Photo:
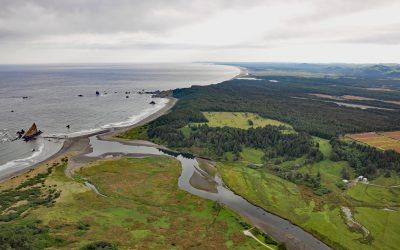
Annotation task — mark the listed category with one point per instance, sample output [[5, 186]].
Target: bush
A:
[[321, 191], [83, 225], [24, 236], [281, 246], [341, 185], [100, 245]]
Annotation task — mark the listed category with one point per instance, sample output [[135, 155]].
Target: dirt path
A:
[[250, 234], [93, 187], [352, 223]]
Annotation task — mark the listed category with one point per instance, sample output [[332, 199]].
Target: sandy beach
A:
[[80, 145]]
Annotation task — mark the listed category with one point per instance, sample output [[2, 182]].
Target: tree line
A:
[[366, 160], [289, 101]]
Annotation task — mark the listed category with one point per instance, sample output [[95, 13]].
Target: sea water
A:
[[49, 95]]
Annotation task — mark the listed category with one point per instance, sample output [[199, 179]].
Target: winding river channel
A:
[[284, 231]]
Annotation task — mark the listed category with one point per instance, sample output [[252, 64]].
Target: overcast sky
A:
[[74, 31]]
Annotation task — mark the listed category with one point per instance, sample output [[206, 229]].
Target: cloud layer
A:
[[41, 31]]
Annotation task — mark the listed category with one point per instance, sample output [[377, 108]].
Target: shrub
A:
[[100, 245]]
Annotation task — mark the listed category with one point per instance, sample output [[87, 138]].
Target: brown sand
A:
[[75, 148]]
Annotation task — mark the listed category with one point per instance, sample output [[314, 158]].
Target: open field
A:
[[394, 135], [144, 209], [375, 195], [252, 155], [322, 215], [384, 140], [240, 120], [290, 201]]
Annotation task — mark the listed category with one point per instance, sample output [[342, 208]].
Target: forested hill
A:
[[288, 99]]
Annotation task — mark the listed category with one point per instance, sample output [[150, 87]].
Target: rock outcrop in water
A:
[[32, 133]]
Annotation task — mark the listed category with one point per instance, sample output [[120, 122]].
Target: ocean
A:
[[54, 96]]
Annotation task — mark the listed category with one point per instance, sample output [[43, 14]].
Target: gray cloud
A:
[[27, 20], [385, 36], [33, 27], [33, 18]]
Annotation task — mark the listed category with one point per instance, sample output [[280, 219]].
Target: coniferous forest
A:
[[289, 102]]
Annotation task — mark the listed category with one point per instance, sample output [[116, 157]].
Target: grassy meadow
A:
[[240, 120], [383, 141], [374, 206], [142, 208], [321, 215]]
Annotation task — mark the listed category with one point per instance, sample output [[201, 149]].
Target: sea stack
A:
[[31, 133]]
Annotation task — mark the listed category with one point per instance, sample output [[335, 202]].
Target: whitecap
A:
[[130, 121], [24, 162]]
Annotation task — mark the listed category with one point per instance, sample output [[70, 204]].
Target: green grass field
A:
[[144, 208], [384, 226], [321, 215], [290, 201], [240, 120], [375, 196], [374, 207], [252, 155]]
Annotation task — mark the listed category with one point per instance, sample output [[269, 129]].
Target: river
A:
[[282, 230]]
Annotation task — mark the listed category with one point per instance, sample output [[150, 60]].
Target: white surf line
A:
[[24, 162], [249, 234], [93, 187]]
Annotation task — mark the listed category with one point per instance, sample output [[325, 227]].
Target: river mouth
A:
[[213, 189]]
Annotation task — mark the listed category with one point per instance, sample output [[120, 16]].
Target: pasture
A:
[[145, 209], [374, 206], [380, 140], [240, 120]]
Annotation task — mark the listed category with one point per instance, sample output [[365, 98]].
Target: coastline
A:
[[80, 144], [77, 147], [243, 72]]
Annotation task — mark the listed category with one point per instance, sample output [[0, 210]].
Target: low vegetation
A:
[[243, 120], [320, 213], [289, 170], [294, 175], [306, 187], [383, 141], [145, 209], [29, 194], [137, 133]]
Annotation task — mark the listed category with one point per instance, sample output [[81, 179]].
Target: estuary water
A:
[[283, 230], [54, 96]]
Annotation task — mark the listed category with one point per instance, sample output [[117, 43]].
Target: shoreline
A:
[[243, 72], [76, 143], [80, 144]]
